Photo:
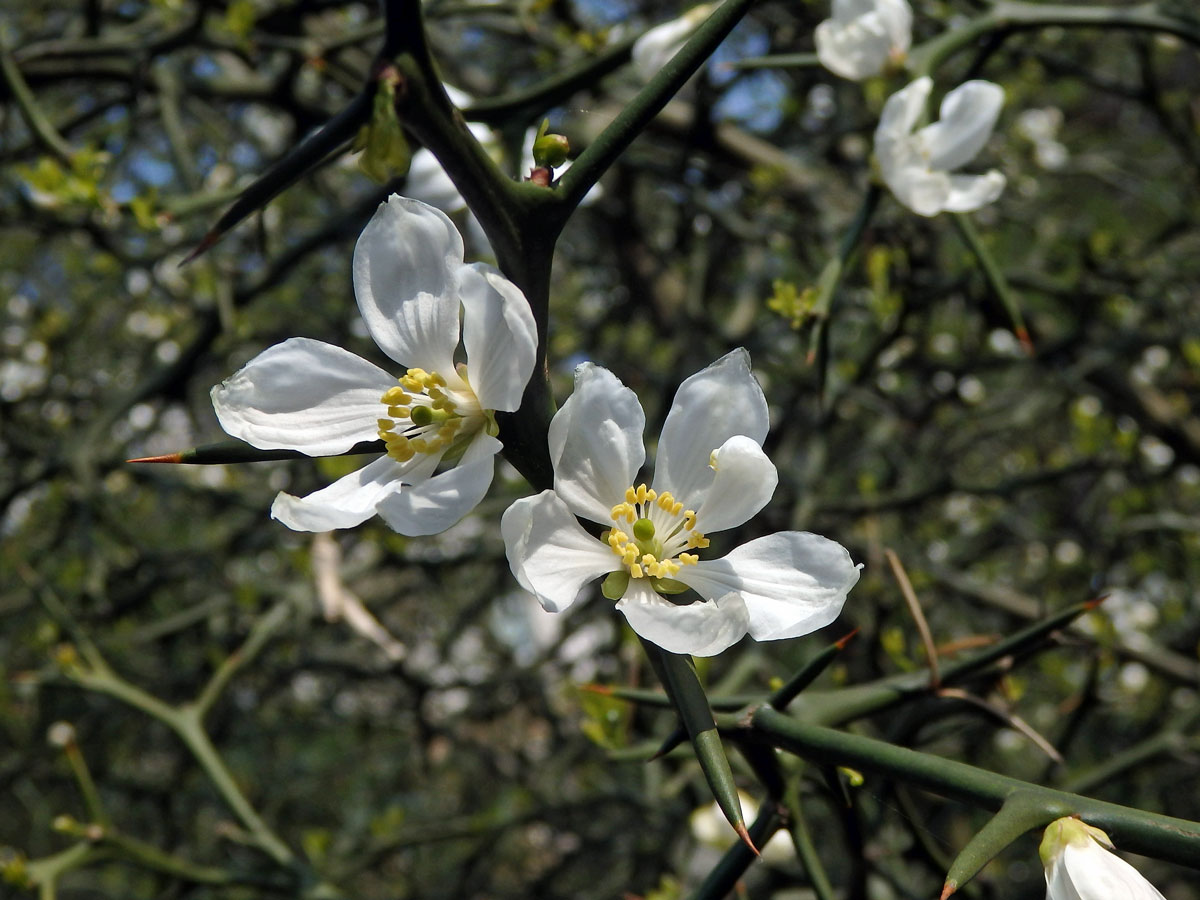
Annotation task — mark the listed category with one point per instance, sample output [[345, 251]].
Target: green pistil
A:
[[643, 531]]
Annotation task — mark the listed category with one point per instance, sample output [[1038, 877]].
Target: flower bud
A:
[[549, 150], [1079, 865]]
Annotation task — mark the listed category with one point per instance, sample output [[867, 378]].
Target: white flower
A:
[[1079, 866], [654, 49], [711, 474], [864, 36], [306, 395], [916, 167]]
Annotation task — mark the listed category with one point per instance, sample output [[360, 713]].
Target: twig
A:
[[31, 112], [914, 607]]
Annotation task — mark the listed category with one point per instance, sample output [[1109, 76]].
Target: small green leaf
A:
[[386, 153], [605, 719]]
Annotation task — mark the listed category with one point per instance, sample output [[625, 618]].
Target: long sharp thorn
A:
[[165, 458], [744, 834]]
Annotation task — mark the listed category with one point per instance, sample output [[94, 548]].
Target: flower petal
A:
[[896, 16], [709, 408], [744, 480], [406, 266], [855, 50], [433, 505], [968, 115], [1090, 872], [900, 114], [924, 192], [792, 582], [596, 443], [846, 11], [499, 335], [970, 192], [549, 553], [703, 628], [349, 501], [303, 395]]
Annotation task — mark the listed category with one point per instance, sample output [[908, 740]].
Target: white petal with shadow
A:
[[405, 268], [437, 502], [349, 501], [792, 582], [703, 628], [499, 335], [551, 556], [303, 395], [743, 483], [596, 443], [709, 408]]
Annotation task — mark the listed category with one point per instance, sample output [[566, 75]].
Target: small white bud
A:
[[1079, 866]]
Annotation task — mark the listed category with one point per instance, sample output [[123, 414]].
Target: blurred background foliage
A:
[[446, 751]]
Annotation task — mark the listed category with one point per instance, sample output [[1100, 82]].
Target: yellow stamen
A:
[[653, 537], [429, 415]]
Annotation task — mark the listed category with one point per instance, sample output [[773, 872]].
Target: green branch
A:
[[529, 104], [1163, 837], [1011, 16], [31, 112], [264, 629], [612, 142]]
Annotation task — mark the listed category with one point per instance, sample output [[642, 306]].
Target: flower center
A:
[[426, 415], [662, 531]]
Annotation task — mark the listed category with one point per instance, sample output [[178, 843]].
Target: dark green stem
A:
[[613, 141], [806, 849], [1013, 16], [1164, 837]]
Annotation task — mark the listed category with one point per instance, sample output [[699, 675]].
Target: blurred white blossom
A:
[[917, 165], [863, 37], [710, 827], [1040, 127], [654, 49]]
